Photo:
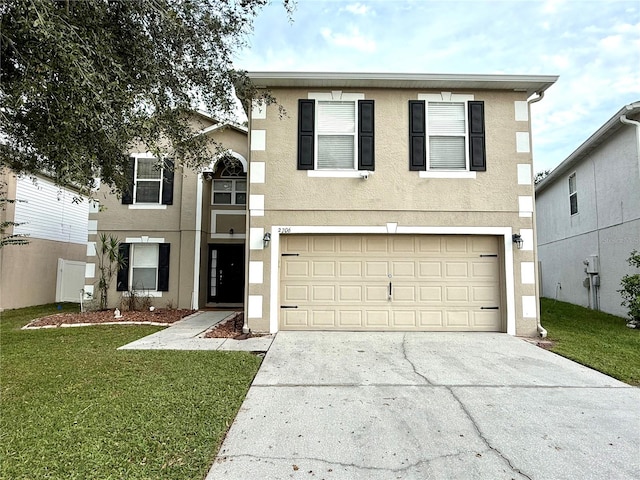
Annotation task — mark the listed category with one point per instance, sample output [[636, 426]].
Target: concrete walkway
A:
[[389, 405], [188, 334]]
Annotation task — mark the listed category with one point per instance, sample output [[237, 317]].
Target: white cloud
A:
[[357, 9], [353, 40], [612, 42]]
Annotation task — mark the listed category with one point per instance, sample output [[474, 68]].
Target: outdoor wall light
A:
[[517, 239], [231, 231], [266, 239]]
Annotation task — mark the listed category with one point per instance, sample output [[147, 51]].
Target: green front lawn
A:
[[74, 407], [595, 339]]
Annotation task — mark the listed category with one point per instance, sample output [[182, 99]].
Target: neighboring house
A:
[[588, 216], [51, 267], [182, 232], [390, 201]]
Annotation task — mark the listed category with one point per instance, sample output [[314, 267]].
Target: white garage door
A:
[[395, 282]]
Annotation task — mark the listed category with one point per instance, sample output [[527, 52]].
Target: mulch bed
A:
[[229, 328], [160, 315]]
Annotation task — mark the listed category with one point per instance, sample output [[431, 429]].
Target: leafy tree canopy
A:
[[83, 81]]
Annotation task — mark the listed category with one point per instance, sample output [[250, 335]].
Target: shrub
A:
[[630, 290]]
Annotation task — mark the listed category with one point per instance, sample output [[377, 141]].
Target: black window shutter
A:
[[417, 135], [306, 123], [163, 267], [477, 150], [167, 182], [366, 149], [127, 193], [123, 273]]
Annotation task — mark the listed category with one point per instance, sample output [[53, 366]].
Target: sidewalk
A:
[[188, 334]]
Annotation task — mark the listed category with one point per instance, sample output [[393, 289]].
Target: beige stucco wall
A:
[[29, 272], [176, 224], [392, 193]]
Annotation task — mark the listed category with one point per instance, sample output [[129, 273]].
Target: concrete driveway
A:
[[429, 406]]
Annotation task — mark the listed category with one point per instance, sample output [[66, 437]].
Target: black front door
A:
[[226, 273]]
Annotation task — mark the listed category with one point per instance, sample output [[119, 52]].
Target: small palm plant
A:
[[110, 260]]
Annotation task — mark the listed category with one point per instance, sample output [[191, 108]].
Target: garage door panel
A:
[[323, 244], [431, 294], [430, 270], [294, 318], [323, 269], [350, 268], [350, 293], [457, 270], [403, 269], [440, 283], [296, 269], [323, 293], [376, 318], [377, 269], [296, 293]]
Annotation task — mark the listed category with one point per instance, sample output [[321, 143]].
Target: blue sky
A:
[[594, 46]]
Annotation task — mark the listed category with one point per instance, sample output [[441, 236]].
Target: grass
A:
[[73, 407], [595, 339]]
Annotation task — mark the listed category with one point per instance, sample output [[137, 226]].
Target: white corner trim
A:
[[521, 111], [197, 242], [256, 202], [334, 173], [89, 270], [504, 232], [91, 249], [522, 142], [255, 239], [88, 292], [258, 110], [524, 174], [449, 174], [256, 272], [527, 239], [525, 205], [256, 213], [94, 206], [257, 172], [527, 273], [254, 307], [258, 140], [92, 227]]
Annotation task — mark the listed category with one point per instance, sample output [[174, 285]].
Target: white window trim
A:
[[143, 292], [504, 232], [335, 95], [145, 205], [452, 98], [233, 191], [575, 182]]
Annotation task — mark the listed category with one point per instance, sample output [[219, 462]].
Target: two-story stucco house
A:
[[392, 202], [588, 216], [181, 231]]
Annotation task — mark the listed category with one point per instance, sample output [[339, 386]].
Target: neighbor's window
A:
[[144, 267], [336, 135], [446, 127], [573, 194], [148, 181], [227, 191]]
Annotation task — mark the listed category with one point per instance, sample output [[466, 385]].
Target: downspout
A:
[[540, 329], [196, 257], [625, 120]]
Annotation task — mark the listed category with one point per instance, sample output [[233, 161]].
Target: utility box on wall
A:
[[593, 264]]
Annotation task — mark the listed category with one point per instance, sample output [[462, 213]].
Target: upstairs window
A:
[[446, 134], [336, 133], [573, 194], [150, 182], [230, 183]]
